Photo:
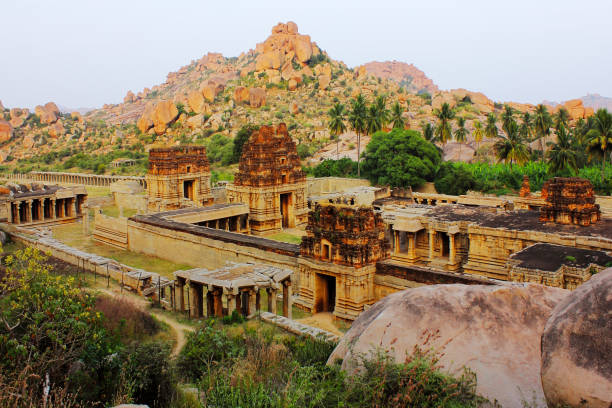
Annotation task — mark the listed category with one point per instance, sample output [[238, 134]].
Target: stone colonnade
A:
[[31, 210], [441, 246], [236, 223], [73, 178], [213, 301]]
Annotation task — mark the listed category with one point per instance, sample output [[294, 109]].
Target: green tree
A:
[[561, 119], [510, 148], [382, 112], [526, 128], [400, 158], [461, 133], [358, 120], [600, 137], [396, 116], [478, 133], [337, 116], [507, 117], [491, 130], [241, 138], [444, 130], [542, 123], [373, 120], [428, 132], [562, 156], [454, 179]]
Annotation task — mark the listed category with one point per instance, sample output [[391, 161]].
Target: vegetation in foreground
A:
[[65, 347]]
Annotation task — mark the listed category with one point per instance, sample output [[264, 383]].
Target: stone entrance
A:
[[325, 293], [285, 207]]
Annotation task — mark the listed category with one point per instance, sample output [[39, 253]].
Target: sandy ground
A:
[[323, 320], [346, 139]]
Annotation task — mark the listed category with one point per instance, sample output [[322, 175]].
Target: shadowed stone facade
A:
[[271, 181], [178, 177], [569, 201], [338, 259]]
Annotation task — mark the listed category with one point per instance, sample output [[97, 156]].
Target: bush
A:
[[241, 138], [124, 319], [344, 167], [454, 179], [220, 149]]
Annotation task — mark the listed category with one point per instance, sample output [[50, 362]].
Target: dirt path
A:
[[178, 328]]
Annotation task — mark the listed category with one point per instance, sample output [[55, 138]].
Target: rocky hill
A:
[[287, 78]]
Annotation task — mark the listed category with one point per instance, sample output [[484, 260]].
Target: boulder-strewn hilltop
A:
[[407, 75]]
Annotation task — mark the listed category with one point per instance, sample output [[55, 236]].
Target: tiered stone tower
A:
[[178, 177], [338, 259], [271, 181], [569, 201]]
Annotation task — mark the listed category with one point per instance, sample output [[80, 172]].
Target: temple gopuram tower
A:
[[338, 259], [569, 200], [178, 177], [271, 181]]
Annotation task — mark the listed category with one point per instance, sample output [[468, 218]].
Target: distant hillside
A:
[[597, 101], [407, 75]]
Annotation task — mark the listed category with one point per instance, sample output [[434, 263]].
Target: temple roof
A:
[[549, 257]]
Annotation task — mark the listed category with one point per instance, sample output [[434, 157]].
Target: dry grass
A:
[[125, 319]]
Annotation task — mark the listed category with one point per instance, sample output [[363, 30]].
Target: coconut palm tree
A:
[[396, 116], [562, 155], [561, 119], [491, 130], [337, 116], [461, 133], [444, 130], [357, 119], [428, 132], [381, 109], [507, 116], [374, 120], [526, 128], [510, 147], [600, 138], [478, 133], [542, 123]]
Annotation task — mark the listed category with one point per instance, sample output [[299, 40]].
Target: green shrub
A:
[[344, 167], [454, 179]]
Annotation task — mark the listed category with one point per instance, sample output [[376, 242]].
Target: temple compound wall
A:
[[270, 181], [338, 259], [41, 204], [178, 177]]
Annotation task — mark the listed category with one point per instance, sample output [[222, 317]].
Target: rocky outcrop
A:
[[165, 113], [47, 113], [145, 121], [18, 116], [6, 131], [129, 97], [324, 81], [212, 88], [241, 94], [284, 45], [195, 100], [576, 346], [257, 97], [408, 75], [493, 330]]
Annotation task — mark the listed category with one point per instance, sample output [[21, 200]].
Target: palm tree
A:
[[491, 130], [396, 116], [562, 119], [562, 155], [600, 138], [461, 133], [428, 132], [357, 120], [444, 130], [510, 148], [478, 133], [383, 113], [374, 120], [542, 124], [507, 116], [526, 128], [337, 116]]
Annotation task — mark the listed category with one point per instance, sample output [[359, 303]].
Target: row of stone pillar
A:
[[236, 223], [411, 245], [34, 210], [85, 179], [246, 300]]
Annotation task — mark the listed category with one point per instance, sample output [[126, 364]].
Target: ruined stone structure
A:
[[271, 181], [525, 190], [178, 177], [40, 204], [338, 259], [569, 201]]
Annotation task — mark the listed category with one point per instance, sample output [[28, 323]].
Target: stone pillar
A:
[[287, 299], [218, 302], [52, 208], [195, 292], [180, 284], [252, 304], [231, 303], [210, 303], [432, 235], [412, 245], [28, 210], [451, 249], [257, 300], [396, 242], [18, 217], [60, 208], [271, 300]]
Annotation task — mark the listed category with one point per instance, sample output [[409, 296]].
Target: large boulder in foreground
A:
[[493, 330], [577, 347]]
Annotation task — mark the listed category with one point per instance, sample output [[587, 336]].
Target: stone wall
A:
[[110, 230], [323, 185]]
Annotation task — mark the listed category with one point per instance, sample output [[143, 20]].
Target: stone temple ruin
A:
[[271, 181], [178, 177], [569, 201]]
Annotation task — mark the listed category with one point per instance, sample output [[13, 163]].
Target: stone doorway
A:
[[285, 209], [325, 292], [444, 249], [188, 189]]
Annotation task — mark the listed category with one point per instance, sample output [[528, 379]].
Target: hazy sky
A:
[[85, 53]]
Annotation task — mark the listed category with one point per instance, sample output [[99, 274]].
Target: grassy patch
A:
[[286, 237], [113, 211], [97, 191]]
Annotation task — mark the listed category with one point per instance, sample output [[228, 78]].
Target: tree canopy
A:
[[241, 138], [400, 158]]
